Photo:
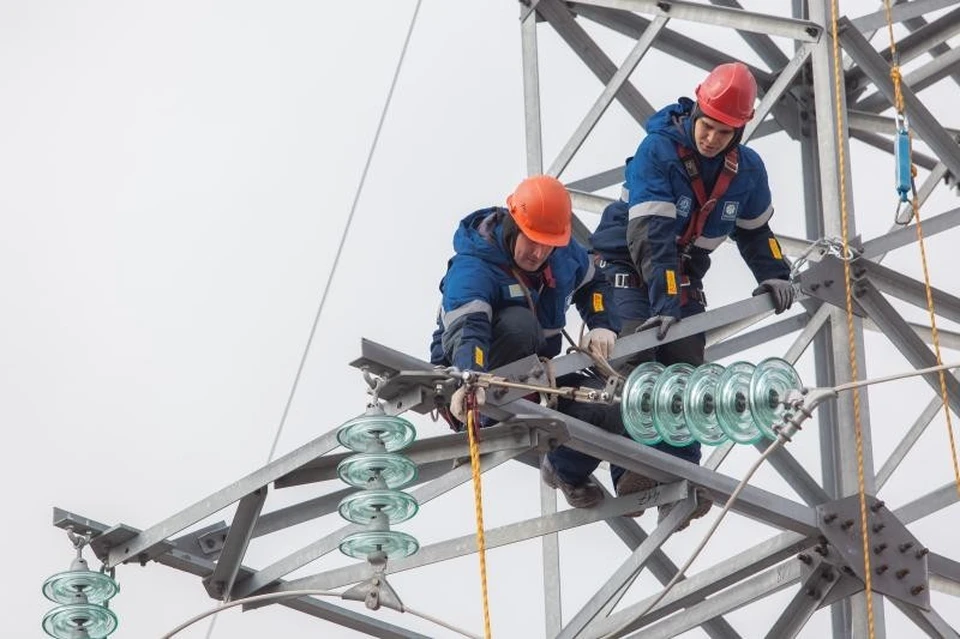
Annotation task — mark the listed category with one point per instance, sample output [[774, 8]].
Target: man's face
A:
[[712, 136], [530, 255]]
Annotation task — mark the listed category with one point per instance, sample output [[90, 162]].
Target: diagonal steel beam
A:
[[220, 583], [775, 93], [908, 235], [917, 79], [761, 43], [922, 121], [751, 21], [284, 566], [614, 85], [912, 291], [593, 56], [930, 503], [143, 542], [929, 621], [899, 13], [621, 579], [904, 338], [885, 144], [814, 589], [918, 428]]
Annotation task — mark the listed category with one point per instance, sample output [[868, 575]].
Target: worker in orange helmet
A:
[[690, 186], [506, 292]]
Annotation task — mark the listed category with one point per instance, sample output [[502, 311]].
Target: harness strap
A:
[[731, 164]]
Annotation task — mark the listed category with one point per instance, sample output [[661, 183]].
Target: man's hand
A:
[[458, 402], [599, 341], [664, 322], [780, 290]]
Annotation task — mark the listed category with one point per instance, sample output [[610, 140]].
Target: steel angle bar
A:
[[331, 541], [918, 43], [663, 569], [948, 339], [422, 452], [912, 291], [908, 235], [624, 576], [930, 503], [754, 502], [808, 334], [143, 542], [776, 91], [920, 78], [593, 56], [718, 455], [597, 181], [762, 335], [882, 124], [531, 92], [186, 562], [220, 583], [305, 511], [495, 538], [753, 22], [911, 437], [701, 585], [616, 82], [764, 584], [899, 13], [944, 568], [589, 202], [885, 144], [796, 476], [904, 339], [921, 120], [550, 555], [814, 589], [929, 621], [761, 43]]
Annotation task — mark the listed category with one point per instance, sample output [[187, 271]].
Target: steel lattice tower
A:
[[798, 98]]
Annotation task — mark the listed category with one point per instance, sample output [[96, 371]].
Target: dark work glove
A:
[[664, 322], [780, 290]]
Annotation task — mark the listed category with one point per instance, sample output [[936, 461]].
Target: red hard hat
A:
[[728, 94], [541, 207]]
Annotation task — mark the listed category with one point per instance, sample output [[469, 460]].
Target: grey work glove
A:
[[458, 402], [599, 341], [780, 290], [664, 322]]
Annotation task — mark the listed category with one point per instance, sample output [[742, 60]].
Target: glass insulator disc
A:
[[79, 620], [362, 469], [64, 587], [393, 543], [364, 505], [700, 405], [733, 404], [769, 385], [376, 434], [636, 403], [668, 416]]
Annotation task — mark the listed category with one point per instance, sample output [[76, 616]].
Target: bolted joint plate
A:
[[898, 561], [824, 280]]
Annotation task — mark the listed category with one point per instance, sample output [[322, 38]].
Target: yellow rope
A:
[[854, 374], [478, 507], [899, 105]]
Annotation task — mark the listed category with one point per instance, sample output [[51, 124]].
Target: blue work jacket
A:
[[642, 231], [481, 280]]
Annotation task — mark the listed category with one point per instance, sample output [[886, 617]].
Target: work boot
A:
[[631, 482], [582, 495], [702, 508]]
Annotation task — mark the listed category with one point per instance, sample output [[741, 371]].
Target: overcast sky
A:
[[175, 180]]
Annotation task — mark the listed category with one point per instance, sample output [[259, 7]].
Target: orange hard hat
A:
[[541, 207], [728, 94]]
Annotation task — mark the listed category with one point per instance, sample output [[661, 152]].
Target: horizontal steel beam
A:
[[908, 235], [899, 13]]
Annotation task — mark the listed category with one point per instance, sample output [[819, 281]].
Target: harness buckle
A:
[[622, 280]]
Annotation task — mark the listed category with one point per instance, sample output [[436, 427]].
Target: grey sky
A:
[[175, 179]]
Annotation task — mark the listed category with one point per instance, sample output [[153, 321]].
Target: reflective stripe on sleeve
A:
[[756, 222], [473, 306], [591, 271], [709, 243], [663, 209]]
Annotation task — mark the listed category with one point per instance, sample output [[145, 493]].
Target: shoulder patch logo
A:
[[515, 290], [684, 204], [730, 209]]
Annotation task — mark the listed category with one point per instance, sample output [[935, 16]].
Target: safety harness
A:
[[705, 205]]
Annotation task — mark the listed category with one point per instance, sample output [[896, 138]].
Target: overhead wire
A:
[[851, 335], [336, 259]]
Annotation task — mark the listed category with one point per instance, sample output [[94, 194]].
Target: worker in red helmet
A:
[[689, 187], [505, 294]]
